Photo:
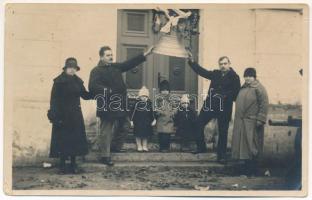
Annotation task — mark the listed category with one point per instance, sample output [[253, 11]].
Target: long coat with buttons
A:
[[251, 106], [109, 89], [68, 129], [164, 114]]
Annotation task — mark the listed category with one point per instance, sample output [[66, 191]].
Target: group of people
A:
[[168, 118], [107, 87]]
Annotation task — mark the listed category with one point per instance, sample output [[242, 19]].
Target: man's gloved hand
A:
[[190, 55], [149, 51], [154, 122]]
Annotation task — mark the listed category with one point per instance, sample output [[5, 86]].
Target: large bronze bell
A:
[[170, 45]]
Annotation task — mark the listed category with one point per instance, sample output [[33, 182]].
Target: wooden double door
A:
[[135, 35]]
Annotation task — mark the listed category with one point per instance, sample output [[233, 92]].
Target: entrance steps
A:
[[156, 157]]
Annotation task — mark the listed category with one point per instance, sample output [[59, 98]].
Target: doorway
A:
[[135, 35]]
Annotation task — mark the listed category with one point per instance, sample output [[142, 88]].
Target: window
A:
[[135, 23]]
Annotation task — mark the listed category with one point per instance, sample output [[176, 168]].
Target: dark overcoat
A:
[[251, 106], [223, 88], [109, 89], [142, 117], [68, 129], [185, 123]]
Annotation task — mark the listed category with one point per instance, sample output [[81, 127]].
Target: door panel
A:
[[134, 77], [177, 73]]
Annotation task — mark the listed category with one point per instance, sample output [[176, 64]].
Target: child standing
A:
[[164, 115], [143, 119], [185, 122]]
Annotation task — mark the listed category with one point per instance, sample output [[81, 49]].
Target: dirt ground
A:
[[97, 176]]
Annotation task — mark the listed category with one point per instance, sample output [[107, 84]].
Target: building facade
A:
[[39, 37]]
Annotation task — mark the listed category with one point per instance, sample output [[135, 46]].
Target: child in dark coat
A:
[[143, 119], [184, 121]]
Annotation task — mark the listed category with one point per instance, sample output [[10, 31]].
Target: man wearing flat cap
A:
[[108, 88]]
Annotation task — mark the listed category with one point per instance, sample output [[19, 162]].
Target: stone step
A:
[[147, 157], [131, 138], [153, 164], [154, 147], [153, 139]]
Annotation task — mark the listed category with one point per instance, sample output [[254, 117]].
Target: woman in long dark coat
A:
[[250, 116], [68, 130]]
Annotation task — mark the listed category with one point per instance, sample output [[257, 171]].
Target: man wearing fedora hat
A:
[[109, 90]]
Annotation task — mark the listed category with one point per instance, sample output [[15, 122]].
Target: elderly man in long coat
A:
[[109, 89], [250, 117]]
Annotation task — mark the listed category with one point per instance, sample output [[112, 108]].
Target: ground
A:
[[137, 176]]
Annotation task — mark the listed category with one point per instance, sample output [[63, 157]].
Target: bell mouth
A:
[[170, 45]]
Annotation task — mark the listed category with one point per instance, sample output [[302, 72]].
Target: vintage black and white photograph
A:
[[156, 99]]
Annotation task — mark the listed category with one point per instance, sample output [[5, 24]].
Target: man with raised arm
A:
[[108, 88], [224, 87]]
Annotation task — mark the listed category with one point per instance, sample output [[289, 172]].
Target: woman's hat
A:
[[250, 72], [71, 63], [144, 92], [185, 99]]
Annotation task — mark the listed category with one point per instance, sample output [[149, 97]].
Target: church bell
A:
[[170, 45]]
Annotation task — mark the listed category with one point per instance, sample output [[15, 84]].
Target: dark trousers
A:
[[185, 143], [251, 167], [223, 126], [164, 141], [111, 135]]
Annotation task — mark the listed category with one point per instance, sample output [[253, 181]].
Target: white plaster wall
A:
[[38, 39], [270, 41]]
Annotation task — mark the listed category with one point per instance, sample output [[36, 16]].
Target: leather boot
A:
[[107, 161]]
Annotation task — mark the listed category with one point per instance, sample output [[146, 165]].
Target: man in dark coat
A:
[[224, 87], [108, 88], [68, 130]]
